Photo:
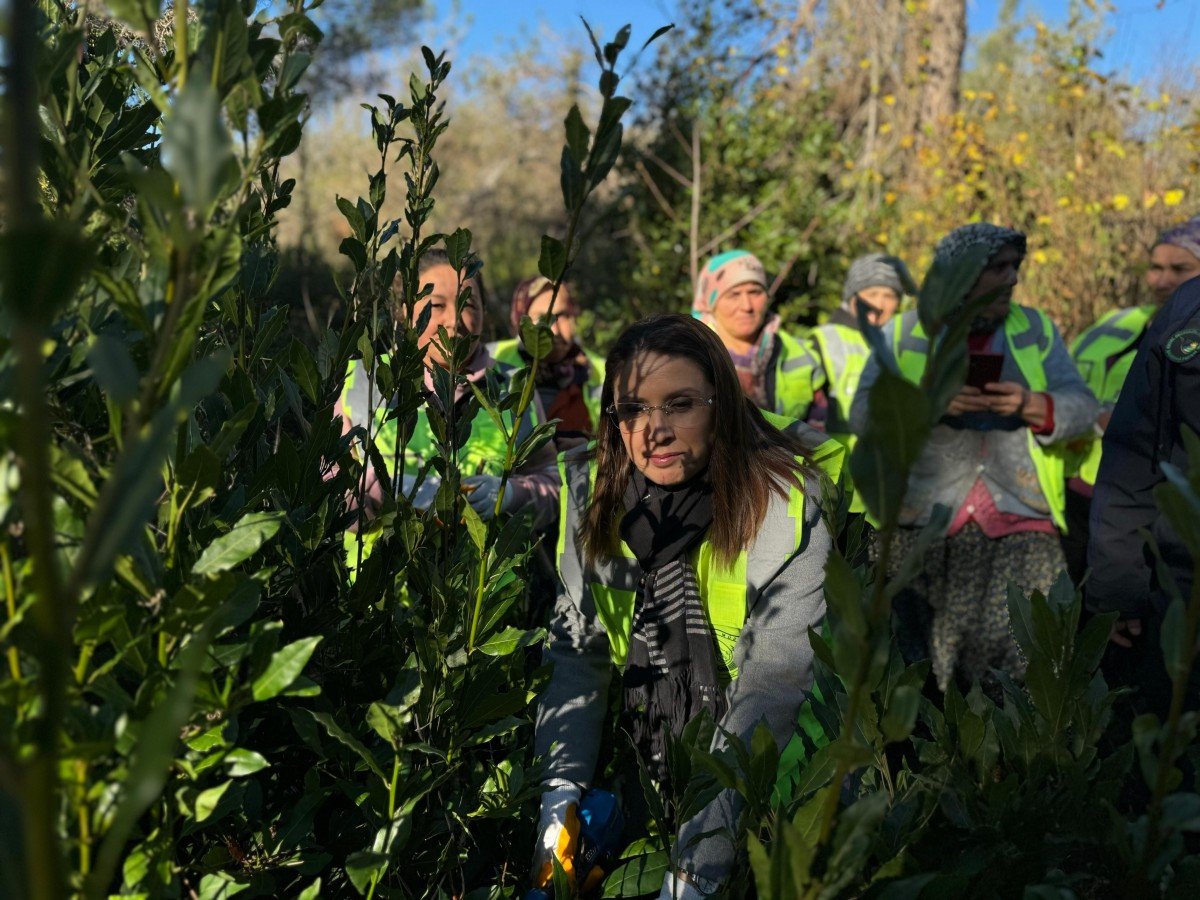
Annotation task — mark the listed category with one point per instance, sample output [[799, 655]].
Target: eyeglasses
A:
[[682, 412]]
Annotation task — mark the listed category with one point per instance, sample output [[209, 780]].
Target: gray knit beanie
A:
[[877, 270]]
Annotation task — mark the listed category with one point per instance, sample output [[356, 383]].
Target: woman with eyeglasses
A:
[[774, 369], [875, 285], [691, 555]]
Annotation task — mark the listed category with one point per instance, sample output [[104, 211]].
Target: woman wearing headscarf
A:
[[774, 368], [568, 378], [1104, 354], [995, 460], [692, 552]]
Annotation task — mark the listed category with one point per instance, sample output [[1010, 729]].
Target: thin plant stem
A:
[[10, 598]]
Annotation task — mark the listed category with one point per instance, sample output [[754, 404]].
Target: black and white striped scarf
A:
[[671, 670]]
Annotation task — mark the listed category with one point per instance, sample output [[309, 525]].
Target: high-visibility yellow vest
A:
[[794, 367], [843, 353], [1114, 337], [612, 584], [484, 452], [509, 353], [1029, 337]]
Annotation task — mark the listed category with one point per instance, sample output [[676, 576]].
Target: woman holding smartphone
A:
[[995, 460], [692, 555]]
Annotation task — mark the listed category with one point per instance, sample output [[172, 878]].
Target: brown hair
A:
[[745, 446]]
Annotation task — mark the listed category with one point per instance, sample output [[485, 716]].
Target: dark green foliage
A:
[[198, 698]]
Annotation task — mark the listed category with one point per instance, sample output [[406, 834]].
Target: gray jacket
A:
[[963, 449], [784, 596]]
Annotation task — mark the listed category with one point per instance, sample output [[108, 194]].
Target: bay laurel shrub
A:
[[221, 679]]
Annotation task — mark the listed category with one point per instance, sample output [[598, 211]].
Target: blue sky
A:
[[1144, 38]]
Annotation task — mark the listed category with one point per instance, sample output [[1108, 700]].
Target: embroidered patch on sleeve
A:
[[1183, 345]]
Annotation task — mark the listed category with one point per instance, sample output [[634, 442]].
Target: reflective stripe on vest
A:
[[483, 452], [509, 353], [1114, 335], [1030, 337], [612, 583], [793, 377], [844, 353]]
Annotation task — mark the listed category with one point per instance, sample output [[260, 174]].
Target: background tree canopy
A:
[[809, 133]]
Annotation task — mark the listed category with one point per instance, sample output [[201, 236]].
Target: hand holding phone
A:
[[984, 369]]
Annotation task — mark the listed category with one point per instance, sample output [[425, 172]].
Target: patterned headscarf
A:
[[528, 290], [1185, 235], [977, 234], [723, 272]]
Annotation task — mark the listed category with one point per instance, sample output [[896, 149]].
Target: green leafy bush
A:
[[209, 689]]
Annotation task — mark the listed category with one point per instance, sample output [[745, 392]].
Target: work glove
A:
[[558, 833], [481, 491]]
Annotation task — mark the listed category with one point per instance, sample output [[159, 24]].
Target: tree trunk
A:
[[943, 26]]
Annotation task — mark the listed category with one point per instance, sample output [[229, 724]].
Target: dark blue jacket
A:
[[1160, 396]]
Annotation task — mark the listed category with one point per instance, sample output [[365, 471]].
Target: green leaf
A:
[[42, 263], [296, 65], [138, 14], [340, 734], [207, 801], [571, 180], [242, 762], [577, 135], [642, 875], [510, 640], [901, 713], [242, 542], [364, 866], [136, 481], [196, 149], [657, 34], [458, 247], [897, 429], [388, 722], [304, 370], [608, 83], [285, 666], [151, 760], [197, 479], [538, 339], [220, 886], [354, 217], [233, 429], [604, 154], [1178, 645], [1180, 503], [476, 527], [552, 263], [114, 369], [312, 892]]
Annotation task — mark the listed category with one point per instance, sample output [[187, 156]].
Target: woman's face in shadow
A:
[[668, 447]]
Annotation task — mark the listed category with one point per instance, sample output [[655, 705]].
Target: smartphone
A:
[[984, 368]]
